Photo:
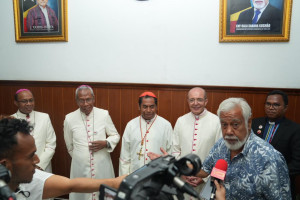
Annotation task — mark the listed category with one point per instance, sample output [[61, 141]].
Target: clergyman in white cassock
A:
[[196, 134], [43, 132], [80, 131], [44, 137], [143, 134], [197, 131], [159, 135]]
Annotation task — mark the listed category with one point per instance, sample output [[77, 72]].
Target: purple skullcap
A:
[[84, 86], [21, 90]]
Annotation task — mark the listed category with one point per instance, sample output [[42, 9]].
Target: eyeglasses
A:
[[269, 105], [82, 101], [26, 101], [199, 100]]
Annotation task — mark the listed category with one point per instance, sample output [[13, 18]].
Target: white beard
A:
[[259, 6], [238, 144]]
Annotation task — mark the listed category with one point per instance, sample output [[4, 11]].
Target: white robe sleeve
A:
[[176, 150], [219, 132], [112, 133], [125, 156], [169, 146], [47, 154], [68, 135]]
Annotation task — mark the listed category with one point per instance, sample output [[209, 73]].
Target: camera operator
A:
[[17, 154]]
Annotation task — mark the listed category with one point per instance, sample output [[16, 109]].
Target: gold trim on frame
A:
[[284, 37], [42, 37]]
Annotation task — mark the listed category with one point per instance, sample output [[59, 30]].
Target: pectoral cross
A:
[[140, 153]]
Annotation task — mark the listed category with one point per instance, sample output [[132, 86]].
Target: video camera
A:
[[5, 193], [158, 180]]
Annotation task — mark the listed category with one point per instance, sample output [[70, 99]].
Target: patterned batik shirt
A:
[[258, 172]]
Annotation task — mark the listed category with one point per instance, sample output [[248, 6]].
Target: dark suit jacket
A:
[[271, 15], [287, 141]]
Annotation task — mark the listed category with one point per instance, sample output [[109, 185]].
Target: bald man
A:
[[197, 131]]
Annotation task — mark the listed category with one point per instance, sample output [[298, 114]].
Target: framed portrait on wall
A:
[[40, 20], [255, 20]]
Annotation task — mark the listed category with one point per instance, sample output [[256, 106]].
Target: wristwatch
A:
[[108, 145]]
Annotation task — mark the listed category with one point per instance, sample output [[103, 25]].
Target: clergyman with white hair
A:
[[90, 136]]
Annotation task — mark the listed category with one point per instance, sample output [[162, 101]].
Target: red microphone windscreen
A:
[[221, 164], [219, 171]]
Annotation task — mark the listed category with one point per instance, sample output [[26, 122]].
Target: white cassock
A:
[[160, 135], [198, 136], [44, 137], [79, 131]]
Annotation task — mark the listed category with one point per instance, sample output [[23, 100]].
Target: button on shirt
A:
[[258, 172]]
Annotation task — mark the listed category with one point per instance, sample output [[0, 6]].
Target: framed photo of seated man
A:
[[40, 20], [255, 20]]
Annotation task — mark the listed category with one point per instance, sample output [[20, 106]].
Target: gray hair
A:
[[231, 103], [83, 87]]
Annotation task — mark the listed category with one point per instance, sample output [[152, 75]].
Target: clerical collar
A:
[[149, 120], [278, 121], [20, 114], [87, 115], [201, 114]]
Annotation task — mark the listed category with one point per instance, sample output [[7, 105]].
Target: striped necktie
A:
[[271, 131]]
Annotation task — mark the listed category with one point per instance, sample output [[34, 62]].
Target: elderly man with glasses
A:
[[43, 132], [197, 131], [90, 136]]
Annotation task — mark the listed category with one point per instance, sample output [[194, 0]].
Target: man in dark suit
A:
[[262, 18], [280, 132]]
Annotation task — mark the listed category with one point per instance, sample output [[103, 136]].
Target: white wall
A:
[[155, 41]]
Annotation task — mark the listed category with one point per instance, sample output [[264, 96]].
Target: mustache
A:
[[231, 137]]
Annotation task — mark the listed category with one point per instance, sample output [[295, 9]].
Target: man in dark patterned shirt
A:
[[42, 18], [255, 169]]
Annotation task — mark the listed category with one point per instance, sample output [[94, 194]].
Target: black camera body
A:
[[5, 192], [4, 174], [159, 179]]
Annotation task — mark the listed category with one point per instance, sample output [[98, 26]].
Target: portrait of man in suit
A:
[[261, 18]]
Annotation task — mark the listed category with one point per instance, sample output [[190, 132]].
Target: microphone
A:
[[218, 173]]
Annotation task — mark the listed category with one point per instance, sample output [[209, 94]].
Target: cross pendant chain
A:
[[140, 153], [144, 138]]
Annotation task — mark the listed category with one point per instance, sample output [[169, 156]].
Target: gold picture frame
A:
[[273, 24], [31, 24]]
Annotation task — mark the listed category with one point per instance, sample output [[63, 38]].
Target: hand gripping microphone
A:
[[218, 173]]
